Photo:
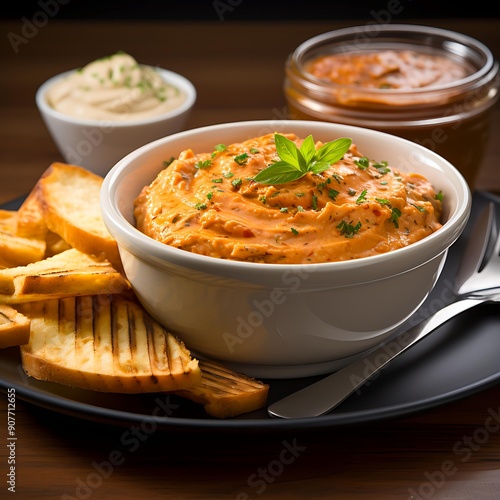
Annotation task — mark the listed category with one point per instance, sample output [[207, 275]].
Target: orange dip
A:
[[389, 69], [209, 204]]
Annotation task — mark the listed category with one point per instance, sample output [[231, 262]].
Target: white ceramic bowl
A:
[[279, 320], [98, 144]]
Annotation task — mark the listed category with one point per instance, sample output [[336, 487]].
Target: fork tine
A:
[[496, 250], [492, 256], [477, 247], [487, 276]]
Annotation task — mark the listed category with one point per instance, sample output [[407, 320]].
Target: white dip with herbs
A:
[[114, 88]]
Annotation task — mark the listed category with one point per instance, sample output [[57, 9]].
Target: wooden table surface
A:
[[238, 71]]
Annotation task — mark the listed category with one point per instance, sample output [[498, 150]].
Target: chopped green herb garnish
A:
[[143, 85], [337, 177], [300, 208], [254, 151], [314, 202], [323, 184], [236, 182], [209, 196], [200, 206], [332, 193], [440, 196], [220, 147], [217, 181], [361, 197], [363, 163], [228, 175], [395, 215], [203, 164], [418, 207], [284, 210], [351, 192], [296, 162], [241, 159], [294, 231], [347, 229], [383, 201], [166, 163], [382, 167]]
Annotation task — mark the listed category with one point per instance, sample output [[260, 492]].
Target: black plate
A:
[[457, 360]]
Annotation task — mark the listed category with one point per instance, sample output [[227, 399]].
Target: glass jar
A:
[[450, 118]]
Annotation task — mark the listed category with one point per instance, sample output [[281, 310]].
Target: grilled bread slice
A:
[[225, 393], [105, 343], [70, 199], [14, 327], [18, 251], [68, 273], [30, 222]]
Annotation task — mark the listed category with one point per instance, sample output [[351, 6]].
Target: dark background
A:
[[239, 10]]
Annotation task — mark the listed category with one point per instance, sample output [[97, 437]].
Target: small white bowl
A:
[[98, 144], [281, 320]]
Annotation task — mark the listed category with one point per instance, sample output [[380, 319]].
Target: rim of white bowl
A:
[[155, 252], [175, 79]]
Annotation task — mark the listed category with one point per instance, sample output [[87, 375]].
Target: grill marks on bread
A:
[[105, 343]]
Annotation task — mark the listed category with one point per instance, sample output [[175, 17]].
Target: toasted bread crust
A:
[[19, 251], [69, 273], [30, 221], [225, 393], [14, 327], [70, 200]]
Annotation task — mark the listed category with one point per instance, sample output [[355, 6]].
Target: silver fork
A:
[[477, 282]]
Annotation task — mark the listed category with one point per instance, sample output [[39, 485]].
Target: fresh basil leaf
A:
[[295, 163], [308, 149], [333, 151], [319, 166], [278, 173], [288, 152]]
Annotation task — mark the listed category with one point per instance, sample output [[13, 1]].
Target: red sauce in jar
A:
[[388, 69]]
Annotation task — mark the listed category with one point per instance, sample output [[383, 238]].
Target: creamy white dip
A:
[[114, 88]]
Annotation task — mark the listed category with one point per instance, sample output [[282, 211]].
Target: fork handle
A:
[[322, 396]]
